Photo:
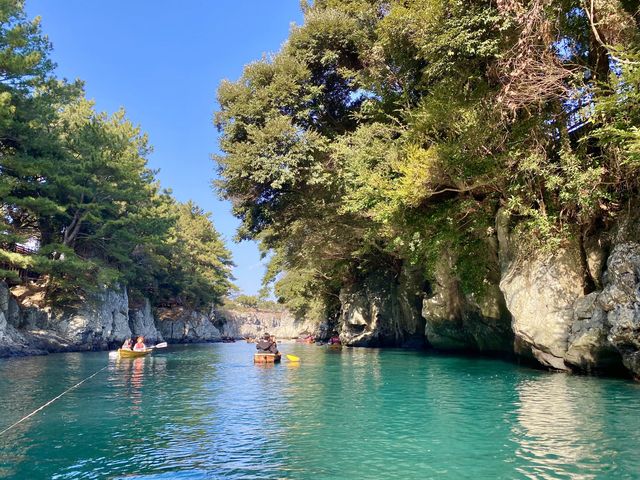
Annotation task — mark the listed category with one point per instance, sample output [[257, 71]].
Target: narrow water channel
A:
[[205, 411]]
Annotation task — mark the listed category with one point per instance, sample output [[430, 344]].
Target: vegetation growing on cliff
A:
[[390, 131], [75, 187]]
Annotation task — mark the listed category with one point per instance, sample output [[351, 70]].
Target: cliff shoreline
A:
[[105, 320], [537, 310]]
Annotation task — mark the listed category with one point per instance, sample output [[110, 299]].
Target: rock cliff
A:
[[252, 323], [576, 308], [458, 321], [383, 309], [180, 325], [100, 322], [572, 308]]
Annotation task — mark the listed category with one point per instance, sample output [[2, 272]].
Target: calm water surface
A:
[[205, 411]]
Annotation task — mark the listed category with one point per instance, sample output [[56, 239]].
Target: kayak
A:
[[266, 358], [131, 354]]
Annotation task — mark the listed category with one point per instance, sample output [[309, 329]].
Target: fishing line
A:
[[51, 401]]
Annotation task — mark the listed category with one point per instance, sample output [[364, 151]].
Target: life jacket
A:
[[139, 346]]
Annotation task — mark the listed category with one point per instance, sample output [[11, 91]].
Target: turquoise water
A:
[[205, 411]]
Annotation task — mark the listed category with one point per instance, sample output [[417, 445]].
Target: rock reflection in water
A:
[[554, 416]]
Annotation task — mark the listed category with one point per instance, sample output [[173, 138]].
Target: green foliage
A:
[[199, 269], [391, 132], [75, 182], [243, 302]]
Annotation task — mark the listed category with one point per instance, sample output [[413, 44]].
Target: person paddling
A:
[[267, 344], [127, 344], [139, 346]]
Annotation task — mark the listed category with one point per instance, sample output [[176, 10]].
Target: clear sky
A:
[[162, 61]]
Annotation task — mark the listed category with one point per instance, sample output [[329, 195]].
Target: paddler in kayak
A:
[[139, 346], [127, 344], [267, 344]]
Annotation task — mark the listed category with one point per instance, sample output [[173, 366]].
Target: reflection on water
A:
[[206, 411], [550, 423], [561, 429]]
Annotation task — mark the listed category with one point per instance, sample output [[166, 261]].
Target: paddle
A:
[[293, 358]]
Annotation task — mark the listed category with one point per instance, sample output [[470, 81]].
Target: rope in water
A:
[[51, 401]]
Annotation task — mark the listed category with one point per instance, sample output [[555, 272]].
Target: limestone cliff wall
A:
[[573, 308], [180, 325], [101, 322], [383, 309], [252, 323]]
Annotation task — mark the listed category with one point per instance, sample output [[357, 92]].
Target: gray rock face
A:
[[10, 338], [589, 349], [186, 326], [98, 323], [382, 311], [540, 292], [252, 323], [142, 322], [620, 302]]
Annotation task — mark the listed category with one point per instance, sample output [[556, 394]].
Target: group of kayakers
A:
[[139, 346]]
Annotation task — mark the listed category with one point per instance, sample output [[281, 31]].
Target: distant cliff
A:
[[253, 322]]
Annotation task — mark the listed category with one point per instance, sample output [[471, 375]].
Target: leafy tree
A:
[[199, 269], [389, 132], [75, 183]]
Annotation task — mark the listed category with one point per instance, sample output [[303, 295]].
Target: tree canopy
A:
[[75, 186], [387, 132]]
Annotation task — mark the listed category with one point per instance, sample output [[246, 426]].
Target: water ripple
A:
[[206, 411]]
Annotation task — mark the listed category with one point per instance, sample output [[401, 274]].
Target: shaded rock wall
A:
[[576, 308], [607, 326], [455, 321], [383, 310]]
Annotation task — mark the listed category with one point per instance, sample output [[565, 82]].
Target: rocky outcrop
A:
[[102, 321], [142, 322], [589, 349], [560, 326], [12, 341], [607, 328], [99, 323], [180, 325], [252, 323], [540, 292], [382, 310], [455, 321]]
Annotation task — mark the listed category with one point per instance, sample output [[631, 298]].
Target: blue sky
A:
[[163, 61]]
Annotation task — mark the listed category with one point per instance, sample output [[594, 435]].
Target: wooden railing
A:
[[23, 273]]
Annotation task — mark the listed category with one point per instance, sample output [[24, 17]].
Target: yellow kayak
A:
[[131, 354]]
